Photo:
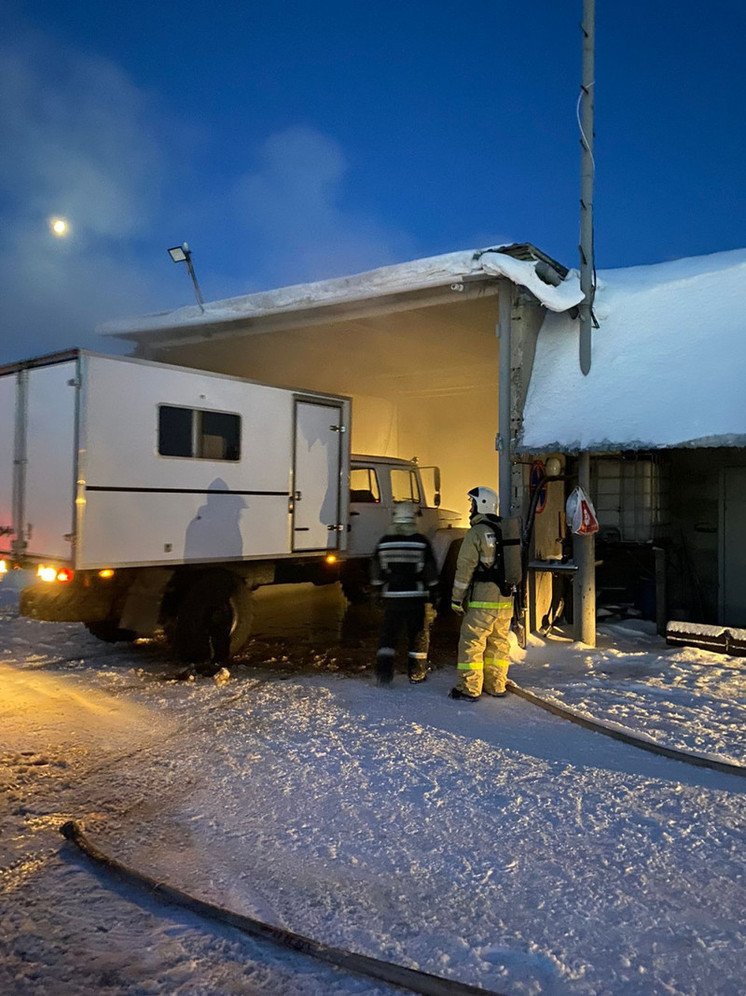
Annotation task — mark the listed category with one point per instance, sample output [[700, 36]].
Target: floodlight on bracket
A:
[[183, 254]]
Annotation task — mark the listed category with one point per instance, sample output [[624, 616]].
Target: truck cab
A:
[[377, 484]]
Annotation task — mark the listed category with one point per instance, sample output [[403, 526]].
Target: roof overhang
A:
[[401, 287], [187, 328]]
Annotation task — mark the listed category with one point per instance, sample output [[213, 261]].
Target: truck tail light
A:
[[50, 574]]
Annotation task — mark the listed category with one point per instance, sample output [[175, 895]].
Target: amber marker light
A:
[[107, 572], [331, 559]]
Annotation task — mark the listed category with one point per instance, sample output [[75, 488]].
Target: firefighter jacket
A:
[[404, 567], [481, 549]]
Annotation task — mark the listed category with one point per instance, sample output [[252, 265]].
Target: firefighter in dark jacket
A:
[[404, 572], [481, 594]]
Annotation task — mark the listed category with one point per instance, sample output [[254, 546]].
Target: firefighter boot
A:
[[417, 665], [385, 666], [456, 693]]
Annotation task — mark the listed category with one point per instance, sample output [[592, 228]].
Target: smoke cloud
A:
[[81, 141], [77, 143], [292, 203]]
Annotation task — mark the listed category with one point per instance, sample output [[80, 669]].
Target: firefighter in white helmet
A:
[[486, 601], [405, 573]]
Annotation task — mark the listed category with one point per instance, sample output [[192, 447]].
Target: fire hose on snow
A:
[[625, 736], [408, 979]]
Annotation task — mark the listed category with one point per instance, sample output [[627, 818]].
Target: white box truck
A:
[[151, 496]]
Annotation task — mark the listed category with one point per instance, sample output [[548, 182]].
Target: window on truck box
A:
[[364, 485], [202, 435], [404, 486]]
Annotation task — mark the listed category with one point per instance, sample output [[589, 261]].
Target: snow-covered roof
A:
[[419, 274], [668, 362]]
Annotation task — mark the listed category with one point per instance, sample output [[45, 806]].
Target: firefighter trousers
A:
[[484, 649], [412, 616]]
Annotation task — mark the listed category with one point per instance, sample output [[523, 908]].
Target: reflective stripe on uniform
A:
[[496, 662], [470, 666], [398, 556], [402, 545], [419, 656], [491, 605], [400, 551]]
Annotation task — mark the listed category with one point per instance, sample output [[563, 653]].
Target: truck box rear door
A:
[[51, 460], [316, 500]]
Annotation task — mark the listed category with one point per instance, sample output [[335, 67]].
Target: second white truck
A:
[[152, 497]]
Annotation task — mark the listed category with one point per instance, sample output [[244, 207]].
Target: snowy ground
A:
[[680, 697], [490, 843]]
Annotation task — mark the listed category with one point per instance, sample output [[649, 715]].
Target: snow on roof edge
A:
[[724, 441], [419, 274]]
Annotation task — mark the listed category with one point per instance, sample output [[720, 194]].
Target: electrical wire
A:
[[589, 150]]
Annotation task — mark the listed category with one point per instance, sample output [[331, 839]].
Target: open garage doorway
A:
[[423, 379]]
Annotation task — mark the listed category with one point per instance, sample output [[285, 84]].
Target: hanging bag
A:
[[581, 515]]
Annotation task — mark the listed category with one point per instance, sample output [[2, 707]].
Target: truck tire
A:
[[213, 619], [109, 632], [447, 574], [355, 581]]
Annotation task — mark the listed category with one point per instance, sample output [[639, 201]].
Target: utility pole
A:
[[587, 264], [584, 555], [584, 547], [504, 439]]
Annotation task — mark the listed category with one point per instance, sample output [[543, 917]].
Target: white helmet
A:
[[483, 501], [404, 512]]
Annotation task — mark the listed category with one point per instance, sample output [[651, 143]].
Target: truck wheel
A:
[[356, 585], [109, 632], [447, 574], [213, 620]]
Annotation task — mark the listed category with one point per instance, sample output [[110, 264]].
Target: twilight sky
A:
[[299, 141]]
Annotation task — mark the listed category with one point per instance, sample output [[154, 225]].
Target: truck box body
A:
[[112, 462]]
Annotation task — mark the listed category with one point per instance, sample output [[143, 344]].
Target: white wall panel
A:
[[121, 428], [128, 528]]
